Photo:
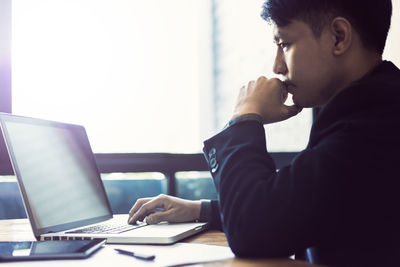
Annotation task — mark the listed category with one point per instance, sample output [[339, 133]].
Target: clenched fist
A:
[[265, 97]]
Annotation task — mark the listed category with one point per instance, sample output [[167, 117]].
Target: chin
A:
[[298, 102], [303, 103]]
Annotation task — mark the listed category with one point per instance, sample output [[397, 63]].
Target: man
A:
[[337, 202]]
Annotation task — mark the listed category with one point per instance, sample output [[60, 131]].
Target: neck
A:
[[353, 68], [364, 65], [357, 66]]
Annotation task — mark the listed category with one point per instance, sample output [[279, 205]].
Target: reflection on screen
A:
[[57, 171]]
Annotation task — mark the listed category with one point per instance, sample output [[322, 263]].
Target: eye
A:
[[283, 45]]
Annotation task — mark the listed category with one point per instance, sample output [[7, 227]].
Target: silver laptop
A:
[[62, 191]]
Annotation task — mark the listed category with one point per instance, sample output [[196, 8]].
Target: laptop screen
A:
[[56, 171]]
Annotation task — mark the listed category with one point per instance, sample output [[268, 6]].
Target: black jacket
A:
[[340, 197]]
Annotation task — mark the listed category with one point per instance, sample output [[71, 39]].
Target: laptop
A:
[[62, 191]]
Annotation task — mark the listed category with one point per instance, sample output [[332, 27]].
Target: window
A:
[[133, 72], [147, 76], [138, 74]]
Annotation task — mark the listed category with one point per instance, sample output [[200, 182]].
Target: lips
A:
[[289, 86]]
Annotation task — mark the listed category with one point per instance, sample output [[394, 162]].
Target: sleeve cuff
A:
[[210, 213], [245, 117], [205, 211]]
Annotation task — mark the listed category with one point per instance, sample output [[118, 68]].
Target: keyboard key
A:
[[106, 229]]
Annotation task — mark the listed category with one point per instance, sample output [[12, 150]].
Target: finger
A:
[[139, 215], [158, 217], [146, 209], [261, 79], [139, 203], [242, 92], [251, 85]]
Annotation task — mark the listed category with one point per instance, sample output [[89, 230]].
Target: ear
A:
[[342, 34]]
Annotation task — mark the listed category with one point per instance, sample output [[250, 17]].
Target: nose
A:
[[279, 63]]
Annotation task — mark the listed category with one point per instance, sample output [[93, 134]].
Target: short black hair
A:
[[370, 18]]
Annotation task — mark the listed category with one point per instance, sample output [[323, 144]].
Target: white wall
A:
[[392, 50]]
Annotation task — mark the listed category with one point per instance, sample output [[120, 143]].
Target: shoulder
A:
[[378, 91], [368, 107]]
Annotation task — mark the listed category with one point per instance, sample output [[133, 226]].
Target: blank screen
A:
[[58, 173]]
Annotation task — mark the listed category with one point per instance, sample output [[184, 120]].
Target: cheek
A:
[[308, 69], [315, 89], [301, 71], [311, 79], [307, 66], [299, 63]]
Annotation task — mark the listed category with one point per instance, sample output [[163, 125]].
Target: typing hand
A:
[[265, 97], [164, 208]]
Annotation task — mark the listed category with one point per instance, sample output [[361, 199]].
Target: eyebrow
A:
[[277, 36]]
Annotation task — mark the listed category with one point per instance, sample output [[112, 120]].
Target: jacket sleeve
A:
[[210, 213], [264, 212]]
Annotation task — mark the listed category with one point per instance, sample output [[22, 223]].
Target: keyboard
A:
[[110, 228]]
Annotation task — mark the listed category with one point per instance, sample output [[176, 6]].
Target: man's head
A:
[[320, 43]]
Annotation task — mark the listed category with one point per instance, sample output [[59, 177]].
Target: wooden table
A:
[[20, 230]]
